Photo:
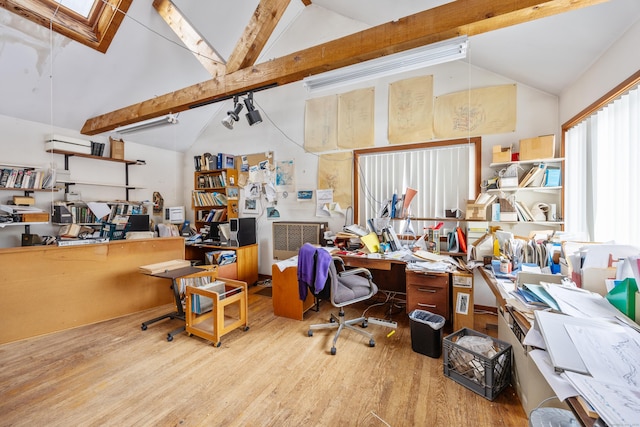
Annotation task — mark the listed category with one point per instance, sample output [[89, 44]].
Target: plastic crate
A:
[[487, 376], [114, 231]]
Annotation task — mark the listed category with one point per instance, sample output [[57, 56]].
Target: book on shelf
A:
[[535, 176], [552, 177]]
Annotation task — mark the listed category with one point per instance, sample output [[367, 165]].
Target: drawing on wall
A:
[[304, 195], [411, 110], [475, 112], [323, 198], [356, 118], [285, 175], [321, 124], [272, 213], [250, 206], [335, 172]]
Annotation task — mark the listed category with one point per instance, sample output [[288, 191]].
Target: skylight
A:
[[93, 23]]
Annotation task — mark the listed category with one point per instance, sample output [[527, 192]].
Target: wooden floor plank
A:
[[113, 373]]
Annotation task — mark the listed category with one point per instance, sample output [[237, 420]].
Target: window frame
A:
[[96, 32]]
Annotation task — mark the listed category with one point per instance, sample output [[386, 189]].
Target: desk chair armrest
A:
[[359, 270]]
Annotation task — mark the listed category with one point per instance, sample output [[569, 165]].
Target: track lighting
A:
[[253, 115], [232, 116]]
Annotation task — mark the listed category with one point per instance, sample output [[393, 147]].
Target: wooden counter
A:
[[48, 288]]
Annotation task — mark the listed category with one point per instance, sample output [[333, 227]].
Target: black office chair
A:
[[348, 286]]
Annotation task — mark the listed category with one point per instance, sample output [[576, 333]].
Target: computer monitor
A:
[[215, 235], [138, 222]]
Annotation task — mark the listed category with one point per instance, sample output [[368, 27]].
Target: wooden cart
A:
[[228, 312]]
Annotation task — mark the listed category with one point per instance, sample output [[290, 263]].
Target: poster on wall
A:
[[356, 119], [411, 110], [285, 175], [321, 124], [474, 112], [335, 172]]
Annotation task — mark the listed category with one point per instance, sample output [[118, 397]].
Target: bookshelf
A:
[[544, 191], [215, 196]]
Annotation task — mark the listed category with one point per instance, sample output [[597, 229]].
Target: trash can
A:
[[426, 333]]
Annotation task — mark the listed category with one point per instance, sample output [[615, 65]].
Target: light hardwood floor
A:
[[113, 373]]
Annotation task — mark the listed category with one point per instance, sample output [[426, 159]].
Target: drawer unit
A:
[[429, 292]]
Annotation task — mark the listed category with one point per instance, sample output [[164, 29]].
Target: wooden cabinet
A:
[[429, 292], [245, 267], [286, 295], [215, 196]]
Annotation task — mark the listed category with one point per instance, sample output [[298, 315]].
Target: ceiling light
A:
[[159, 122], [253, 115], [232, 116], [413, 59]]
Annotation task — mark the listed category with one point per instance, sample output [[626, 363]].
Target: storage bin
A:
[[426, 333], [486, 375]]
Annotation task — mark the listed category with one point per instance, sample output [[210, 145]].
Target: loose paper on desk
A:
[[560, 385], [99, 209]]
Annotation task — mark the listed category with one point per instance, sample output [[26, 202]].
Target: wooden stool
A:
[[232, 293]]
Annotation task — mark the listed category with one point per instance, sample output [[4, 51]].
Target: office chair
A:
[[348, 286]]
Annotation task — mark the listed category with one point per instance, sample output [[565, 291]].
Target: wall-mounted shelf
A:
[[528, 162]]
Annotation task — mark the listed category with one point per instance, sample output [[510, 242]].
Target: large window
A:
[[444, 173], [602, 149]]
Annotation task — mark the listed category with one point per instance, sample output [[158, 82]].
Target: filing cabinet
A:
[[429, 292]]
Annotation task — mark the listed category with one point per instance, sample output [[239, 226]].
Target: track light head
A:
[[233, 114], [253, 115]]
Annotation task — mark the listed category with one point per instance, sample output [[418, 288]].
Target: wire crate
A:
[[114, 231], [487, 376]]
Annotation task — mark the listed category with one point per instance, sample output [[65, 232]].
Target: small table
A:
[[174, 275]]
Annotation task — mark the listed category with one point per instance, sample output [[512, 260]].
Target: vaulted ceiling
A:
[[147, 71]]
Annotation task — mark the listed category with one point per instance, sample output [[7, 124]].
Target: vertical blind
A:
[[602, 158], [443, 176]]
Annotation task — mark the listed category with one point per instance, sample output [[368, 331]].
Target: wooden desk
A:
[[285, 295], [246, 260], [529, 383], [49, 288], [388, 274]]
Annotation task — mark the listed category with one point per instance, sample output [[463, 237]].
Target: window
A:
[[444, 173], [602, 146], [91, 23]]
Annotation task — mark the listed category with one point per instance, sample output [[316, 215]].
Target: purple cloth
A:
[[313, 269]]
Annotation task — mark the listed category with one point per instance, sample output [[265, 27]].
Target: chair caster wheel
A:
[[365, 323], [332, 320], [310, 333], [143, 327], [333, 351], [372, 343], [169, 338]]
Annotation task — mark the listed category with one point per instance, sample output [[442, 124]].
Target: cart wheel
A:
[[372, 343], [246, 328], [365, 323], [169, 337], [143, 327], [217, 344], [310, 333], [333, 351]]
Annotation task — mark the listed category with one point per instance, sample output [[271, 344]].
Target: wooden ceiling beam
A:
[[256, 34], [192, 39], [470, 17]]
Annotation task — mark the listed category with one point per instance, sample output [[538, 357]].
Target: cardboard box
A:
[[476, 212], [501, 155], [540, 147], [35, 217], [117, 148]]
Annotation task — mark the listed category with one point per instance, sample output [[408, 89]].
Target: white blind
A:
[[602, 158], [443, 177]]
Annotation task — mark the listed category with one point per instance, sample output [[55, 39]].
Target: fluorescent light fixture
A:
[[151, 124], [413, 59]]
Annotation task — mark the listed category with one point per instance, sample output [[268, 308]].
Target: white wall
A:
[[22, 143], [616, 65], [282, 132]]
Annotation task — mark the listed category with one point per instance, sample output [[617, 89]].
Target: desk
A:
[[179, 313], [529, 383]]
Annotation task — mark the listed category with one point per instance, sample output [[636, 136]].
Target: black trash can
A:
[[426, 333]]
